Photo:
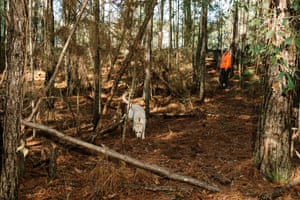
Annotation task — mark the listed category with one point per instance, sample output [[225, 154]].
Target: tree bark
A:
[[235, 35], [2, 35], [16, 38], [203, 50], [111, 153], [273, 140], [148, 64], [243, 39], [170, 47], [161, 24], [95, 43], [199, 69], [188, 23], [48, 58]]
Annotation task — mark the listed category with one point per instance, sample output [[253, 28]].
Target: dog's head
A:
[[139, 128]]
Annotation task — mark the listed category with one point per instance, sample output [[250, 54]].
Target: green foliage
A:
[[274, 46], [289, 41], [296, 5], [270, 34], [223, 125], [277, 176], [297, 41], [290, 81], [247, 73]]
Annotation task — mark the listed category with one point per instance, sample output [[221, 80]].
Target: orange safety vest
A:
[[226, 61]]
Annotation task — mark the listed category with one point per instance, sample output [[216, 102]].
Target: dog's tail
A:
[[124, 98]]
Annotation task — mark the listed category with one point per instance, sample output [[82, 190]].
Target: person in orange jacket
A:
[[225, 67]]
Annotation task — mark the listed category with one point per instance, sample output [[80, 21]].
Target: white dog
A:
[[137, 113]]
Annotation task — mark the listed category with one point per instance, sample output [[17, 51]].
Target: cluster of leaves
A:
[[275, 53]]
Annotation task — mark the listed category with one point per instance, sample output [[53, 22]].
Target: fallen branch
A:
[[111, 153], [177, 115], [277, 192], [112, 128], [92, 138], [158, 188]]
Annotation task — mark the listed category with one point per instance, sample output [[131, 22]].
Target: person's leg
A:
[[222, 78], [231, 72], [226, 79]]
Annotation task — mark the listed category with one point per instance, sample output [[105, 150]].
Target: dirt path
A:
[[214, 145]]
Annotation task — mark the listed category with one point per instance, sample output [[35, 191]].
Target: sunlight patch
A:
[[244, 117]]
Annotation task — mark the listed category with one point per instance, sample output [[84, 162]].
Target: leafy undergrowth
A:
[[214, 144]]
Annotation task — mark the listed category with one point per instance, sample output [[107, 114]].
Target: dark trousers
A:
[[224, 80]]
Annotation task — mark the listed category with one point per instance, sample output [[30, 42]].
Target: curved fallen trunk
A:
[[109, 152]]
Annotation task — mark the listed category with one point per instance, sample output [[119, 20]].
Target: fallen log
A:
[[111, 153]]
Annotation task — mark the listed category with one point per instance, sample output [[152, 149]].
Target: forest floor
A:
[[214, 143]]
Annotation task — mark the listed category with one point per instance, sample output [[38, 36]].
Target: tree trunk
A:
[[243, 37], [2, 35], [235, 35], [199, 68], [272, 147], [188, 23], [170, 48], [161, 24], [203, 51], [95, 43], [220, 25], [148, 62], [71, 66], [176, 25], [16, 38], [48, 49]]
